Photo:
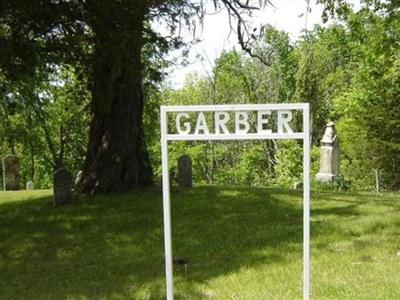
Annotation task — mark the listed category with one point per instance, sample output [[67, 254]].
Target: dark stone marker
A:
[[62, 187], [184, 171], [11, 168]]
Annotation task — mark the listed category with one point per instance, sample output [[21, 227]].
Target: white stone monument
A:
[[329, 151]]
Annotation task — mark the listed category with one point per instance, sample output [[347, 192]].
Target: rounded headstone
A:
[[30, 186], [62, 187], [11, 170], [184, 171], [298, 185]]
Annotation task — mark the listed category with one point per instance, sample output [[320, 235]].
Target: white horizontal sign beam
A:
[[245, 136], [235, 107], [229, 122]]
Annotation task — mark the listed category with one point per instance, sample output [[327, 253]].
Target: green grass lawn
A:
[[242, 243]]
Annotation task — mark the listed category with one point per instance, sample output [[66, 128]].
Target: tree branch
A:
[[234, 8]]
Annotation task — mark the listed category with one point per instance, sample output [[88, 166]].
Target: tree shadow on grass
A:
[[111, 247], [355, 221], [230, 229], [361, 198], [94, 248]]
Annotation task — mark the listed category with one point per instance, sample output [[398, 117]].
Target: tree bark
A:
[[117, 159]]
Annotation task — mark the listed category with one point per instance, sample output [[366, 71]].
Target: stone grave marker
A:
[[185, 171], [30, 186], [329, 155], [62, 187], [298, 185], [11, 170], [78, 177]]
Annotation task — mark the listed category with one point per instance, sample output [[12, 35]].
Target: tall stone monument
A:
[[329, 155], [11, 171], [184, 171]]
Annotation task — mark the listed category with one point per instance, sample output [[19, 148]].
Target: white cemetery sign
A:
[[234, 122]]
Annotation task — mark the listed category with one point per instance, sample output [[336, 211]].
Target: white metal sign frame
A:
[[304, 135]]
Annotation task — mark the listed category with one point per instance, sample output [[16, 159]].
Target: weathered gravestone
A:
[[11, 170], [298, 185], [184, 171], [62, 187], [78, 177], [30, 186], [329, 155]]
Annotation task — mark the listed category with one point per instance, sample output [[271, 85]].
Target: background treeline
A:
[[349, 72]]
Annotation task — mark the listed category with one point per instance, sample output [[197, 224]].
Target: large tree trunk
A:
[[117, 158]]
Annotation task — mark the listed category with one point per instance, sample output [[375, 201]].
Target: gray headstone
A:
[[62, 187], [11, 170], [329, 155], [30, 186], [184, 171]]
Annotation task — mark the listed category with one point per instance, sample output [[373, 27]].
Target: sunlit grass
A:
[[241, 243]]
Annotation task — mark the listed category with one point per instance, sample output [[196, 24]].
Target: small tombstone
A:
[[298, 185], [78, 177], [11, 170], [30, 186], [329, 159], [184, 171], [62, 187]]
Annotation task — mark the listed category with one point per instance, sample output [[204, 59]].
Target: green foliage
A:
[[236, 79], [289, 166], [117, 46], [45, 122], [347, 71], [368, 108], [323, 56]]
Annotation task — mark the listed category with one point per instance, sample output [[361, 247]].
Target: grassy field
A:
[[241, 243]]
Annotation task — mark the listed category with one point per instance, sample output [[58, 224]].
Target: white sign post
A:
[[232, 122]]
